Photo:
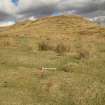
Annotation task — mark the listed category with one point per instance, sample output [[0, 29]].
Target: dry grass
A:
[[62, 48], [58, 47], [79, 78]]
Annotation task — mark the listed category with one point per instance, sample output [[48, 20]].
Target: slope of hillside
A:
[[72, 51], [51, 24]]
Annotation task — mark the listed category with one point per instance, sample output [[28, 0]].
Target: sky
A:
[[18, 10]]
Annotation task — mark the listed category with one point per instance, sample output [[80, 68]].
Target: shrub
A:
[[49, 84], [44, 45], [83, 54], [69, 67], [5, 84], [61, 48]]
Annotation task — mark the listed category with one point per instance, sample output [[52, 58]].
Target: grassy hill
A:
[[73, 50]]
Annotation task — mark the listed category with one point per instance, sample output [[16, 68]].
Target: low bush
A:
[[44, 45], [62, 48], [69, 67], [83, 54]]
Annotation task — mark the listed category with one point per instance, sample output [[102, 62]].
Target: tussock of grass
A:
[[62, 48], [45, 45], [59, 47]]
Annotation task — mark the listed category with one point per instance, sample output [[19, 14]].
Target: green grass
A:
[[79, 78], [19, 68]]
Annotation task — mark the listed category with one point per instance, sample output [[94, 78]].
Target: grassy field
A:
[[71, 44]]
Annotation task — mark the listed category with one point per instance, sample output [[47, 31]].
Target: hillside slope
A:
[[56, 25], [70, 47]]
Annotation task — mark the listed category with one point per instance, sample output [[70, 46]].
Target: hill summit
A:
[[57, 25], [56, 28]]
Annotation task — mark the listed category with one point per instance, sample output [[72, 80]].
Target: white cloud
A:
[[83, 7], [27, 8], [38, 8], [9, 23], [7, 6]]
